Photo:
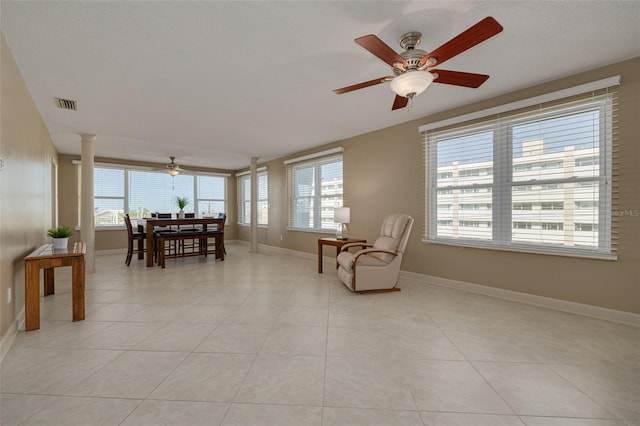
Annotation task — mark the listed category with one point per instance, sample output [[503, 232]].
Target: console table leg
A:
[[49, 282], [31, 295], [77, 287]]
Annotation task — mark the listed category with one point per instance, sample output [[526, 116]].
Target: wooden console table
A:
[[48, 258], [334, 242]]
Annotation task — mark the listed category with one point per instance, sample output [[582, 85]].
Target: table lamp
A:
[[341, 216]]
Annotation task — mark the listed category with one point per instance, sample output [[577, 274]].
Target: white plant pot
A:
[[181, 214], [60, 243]]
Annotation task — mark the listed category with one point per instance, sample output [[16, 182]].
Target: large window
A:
[[538, 181], [210, 195], [244, 198], [315, 190], [109, 197], [138, 192]]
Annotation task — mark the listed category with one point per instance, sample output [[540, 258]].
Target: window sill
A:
[[247, 225], [528, 250], [314, 231], [111, 228]]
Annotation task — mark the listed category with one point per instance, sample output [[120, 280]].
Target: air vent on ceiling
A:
[[66, 104]]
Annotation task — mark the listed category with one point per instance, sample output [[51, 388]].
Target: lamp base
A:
[[341, 232]]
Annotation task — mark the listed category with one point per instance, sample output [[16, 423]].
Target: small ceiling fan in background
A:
[[412, 68], [172, 168]]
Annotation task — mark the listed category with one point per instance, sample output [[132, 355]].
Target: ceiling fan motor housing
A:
[[409, 41]]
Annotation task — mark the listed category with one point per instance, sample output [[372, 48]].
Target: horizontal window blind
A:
[[156, 193], [139, 193], [244, 198], [211, 195], [109, 196], [538, 179]]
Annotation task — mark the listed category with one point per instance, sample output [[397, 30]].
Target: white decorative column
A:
[[253, 236], [87, 227]]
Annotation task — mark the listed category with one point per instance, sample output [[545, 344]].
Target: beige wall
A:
[[383, 173], [26, 210]]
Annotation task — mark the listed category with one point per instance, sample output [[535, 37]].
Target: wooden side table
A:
[[338, 245], [48, 258]]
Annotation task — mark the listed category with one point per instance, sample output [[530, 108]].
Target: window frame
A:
[[317, 164], [503, 184], [241, 179], [123, 198], [127, 169]]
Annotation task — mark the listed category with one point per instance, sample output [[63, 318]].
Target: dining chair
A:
[[220, 226], [186, 231], [132, 236]]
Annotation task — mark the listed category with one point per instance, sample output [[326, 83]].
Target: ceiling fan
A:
[[412, 68], [172, 168]]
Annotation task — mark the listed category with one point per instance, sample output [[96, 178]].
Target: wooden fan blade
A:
[[458, 78], [380, 49], [478, 33], [361, 85], [399, 102]]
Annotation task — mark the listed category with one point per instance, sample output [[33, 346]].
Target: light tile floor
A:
[[263, 339]]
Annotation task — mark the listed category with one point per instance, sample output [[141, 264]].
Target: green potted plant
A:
[[60, 235], [181, 202]]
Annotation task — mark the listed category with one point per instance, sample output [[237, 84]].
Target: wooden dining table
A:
[[148, 224]]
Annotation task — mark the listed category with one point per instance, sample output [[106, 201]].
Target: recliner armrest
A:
[[346, 247], [372, 250]]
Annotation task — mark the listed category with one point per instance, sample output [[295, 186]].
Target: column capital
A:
[[87, 137]]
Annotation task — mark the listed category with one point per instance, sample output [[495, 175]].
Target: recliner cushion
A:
[[385, 243], [370, 260], [345, 260]]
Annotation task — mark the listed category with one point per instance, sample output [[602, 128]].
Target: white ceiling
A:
[[216, 83]]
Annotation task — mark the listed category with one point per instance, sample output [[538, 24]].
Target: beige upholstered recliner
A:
[[376, 267]]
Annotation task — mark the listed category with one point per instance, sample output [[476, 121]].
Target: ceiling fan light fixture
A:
[[173, 172], [411, 83]]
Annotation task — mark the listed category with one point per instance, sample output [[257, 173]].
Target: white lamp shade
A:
[[342, 215], [411, 83]]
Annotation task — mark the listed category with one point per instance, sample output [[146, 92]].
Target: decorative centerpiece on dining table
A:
[[60, 236], [181, 202]]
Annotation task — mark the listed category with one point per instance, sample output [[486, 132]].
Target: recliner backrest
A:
[[393, 235]]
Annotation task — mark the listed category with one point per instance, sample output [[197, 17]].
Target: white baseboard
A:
[[530, 299], [10, 336], [112, 251]]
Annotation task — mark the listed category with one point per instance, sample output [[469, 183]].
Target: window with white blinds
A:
[[120, 189], [536, 181], [244, 199], [109, 196], [152, 192], [210, 195], [315, 189]]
